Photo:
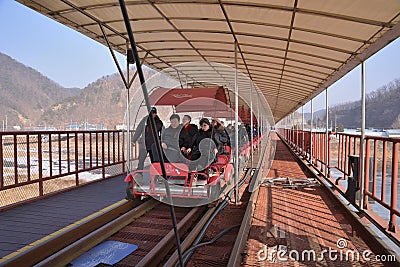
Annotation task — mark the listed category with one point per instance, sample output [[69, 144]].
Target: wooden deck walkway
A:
[[304, 226]]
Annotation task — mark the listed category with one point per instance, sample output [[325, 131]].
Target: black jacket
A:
[[187, 135], [221, 139], [143, 132]]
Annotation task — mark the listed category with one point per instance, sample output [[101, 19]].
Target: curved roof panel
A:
[[291, 49]]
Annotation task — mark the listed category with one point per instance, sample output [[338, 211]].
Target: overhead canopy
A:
[[291, 49], [186, 99], [243, 114]]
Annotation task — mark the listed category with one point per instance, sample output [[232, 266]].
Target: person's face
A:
[[174, 123], [185, 120], [205, 127], [154, 114]]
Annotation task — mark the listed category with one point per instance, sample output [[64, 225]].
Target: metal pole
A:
[[258, 122], [302, 130], [362, 139], [236, 132], [311, 137], [326, 134], [251, 121], [297, 131], [152, 123], [128, 118]]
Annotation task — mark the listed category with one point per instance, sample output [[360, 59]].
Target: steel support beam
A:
[[363, 197], [236, 132]]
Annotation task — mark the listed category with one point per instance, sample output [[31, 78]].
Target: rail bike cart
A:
[[184, 182]]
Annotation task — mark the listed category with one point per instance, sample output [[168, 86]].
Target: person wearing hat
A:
[[144, 136]]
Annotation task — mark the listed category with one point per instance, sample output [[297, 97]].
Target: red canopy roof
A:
[[191, 99], [244, 114]]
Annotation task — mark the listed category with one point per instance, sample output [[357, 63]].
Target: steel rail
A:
[[160, 251], [51, 245], [202, 223], [74, 250]]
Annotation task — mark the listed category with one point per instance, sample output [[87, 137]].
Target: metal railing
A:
[[381, 168], [38, 163]]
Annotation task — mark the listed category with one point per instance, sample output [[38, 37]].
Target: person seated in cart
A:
[[220, 137], [188, 131], [170, 140], [203, 149]]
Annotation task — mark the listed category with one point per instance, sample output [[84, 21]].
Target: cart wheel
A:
[[129, 194]]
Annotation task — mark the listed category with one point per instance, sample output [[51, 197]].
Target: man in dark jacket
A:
[[187, 134], [170, 139], [144, 136]]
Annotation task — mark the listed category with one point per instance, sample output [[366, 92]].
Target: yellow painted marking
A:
[[62, 230]]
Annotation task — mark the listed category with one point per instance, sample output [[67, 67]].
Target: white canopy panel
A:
[[291, 49]]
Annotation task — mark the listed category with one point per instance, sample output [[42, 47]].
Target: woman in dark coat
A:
[[203, 149], [187, 134], [220, 136]]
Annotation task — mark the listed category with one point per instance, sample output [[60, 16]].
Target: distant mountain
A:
[[25, 93], [101, 102], [319, 114], [382, 109], [29, 98]]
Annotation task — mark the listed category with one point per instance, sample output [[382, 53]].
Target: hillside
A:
[[382, 109], [101, 102], [25, 93], [28, 98]]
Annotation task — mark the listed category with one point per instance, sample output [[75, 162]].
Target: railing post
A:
[[375, 168], [393, 195], [83, 151], [68, 154], [383, 187], [40, 164], [59, 155], [28, 159], [15, 159], [103, 170], [90, 150], [50, 154], [76, 159], [1, 162], [123, 151]]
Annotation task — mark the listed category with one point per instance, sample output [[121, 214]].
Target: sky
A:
[[73, 60]]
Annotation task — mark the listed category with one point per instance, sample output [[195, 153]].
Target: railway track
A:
[[148, 225]]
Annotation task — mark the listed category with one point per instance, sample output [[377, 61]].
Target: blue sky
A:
[[73, 60]]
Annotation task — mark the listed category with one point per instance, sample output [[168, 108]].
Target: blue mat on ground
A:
[[108, 252]]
